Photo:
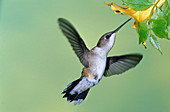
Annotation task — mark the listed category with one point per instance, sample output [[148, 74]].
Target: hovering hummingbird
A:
[[95, 61]]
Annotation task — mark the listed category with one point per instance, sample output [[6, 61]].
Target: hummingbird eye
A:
[[107, 36]]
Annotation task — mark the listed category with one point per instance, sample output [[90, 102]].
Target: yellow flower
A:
[[137, 15]]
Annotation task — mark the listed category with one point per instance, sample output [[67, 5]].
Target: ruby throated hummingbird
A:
[[95, 61]]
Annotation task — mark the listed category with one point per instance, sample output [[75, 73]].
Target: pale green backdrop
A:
[[37, 62]]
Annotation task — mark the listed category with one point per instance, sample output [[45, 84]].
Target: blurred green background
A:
[[37, 61]]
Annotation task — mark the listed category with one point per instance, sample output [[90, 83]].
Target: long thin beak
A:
[[121, 25]]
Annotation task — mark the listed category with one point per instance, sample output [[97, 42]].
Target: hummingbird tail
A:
[[72, 95]]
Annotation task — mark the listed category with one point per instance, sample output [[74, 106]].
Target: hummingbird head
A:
[[107, 40]]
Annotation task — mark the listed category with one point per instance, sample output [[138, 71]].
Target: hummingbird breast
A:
[[97, 64]]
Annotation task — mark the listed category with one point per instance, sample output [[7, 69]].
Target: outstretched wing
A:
[[120, 64], [75, 40]]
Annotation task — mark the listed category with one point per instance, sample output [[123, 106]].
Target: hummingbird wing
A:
[[120, 64], [75, 40]]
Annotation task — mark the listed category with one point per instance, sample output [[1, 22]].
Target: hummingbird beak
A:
[[121, 26]]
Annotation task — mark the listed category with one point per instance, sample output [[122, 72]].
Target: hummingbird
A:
[[95, 61]]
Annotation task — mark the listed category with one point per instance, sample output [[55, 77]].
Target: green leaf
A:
[[138, 5], [158, 14], [159, 24], [159, 27], [143, 30], [155, 42], [166, 10]]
